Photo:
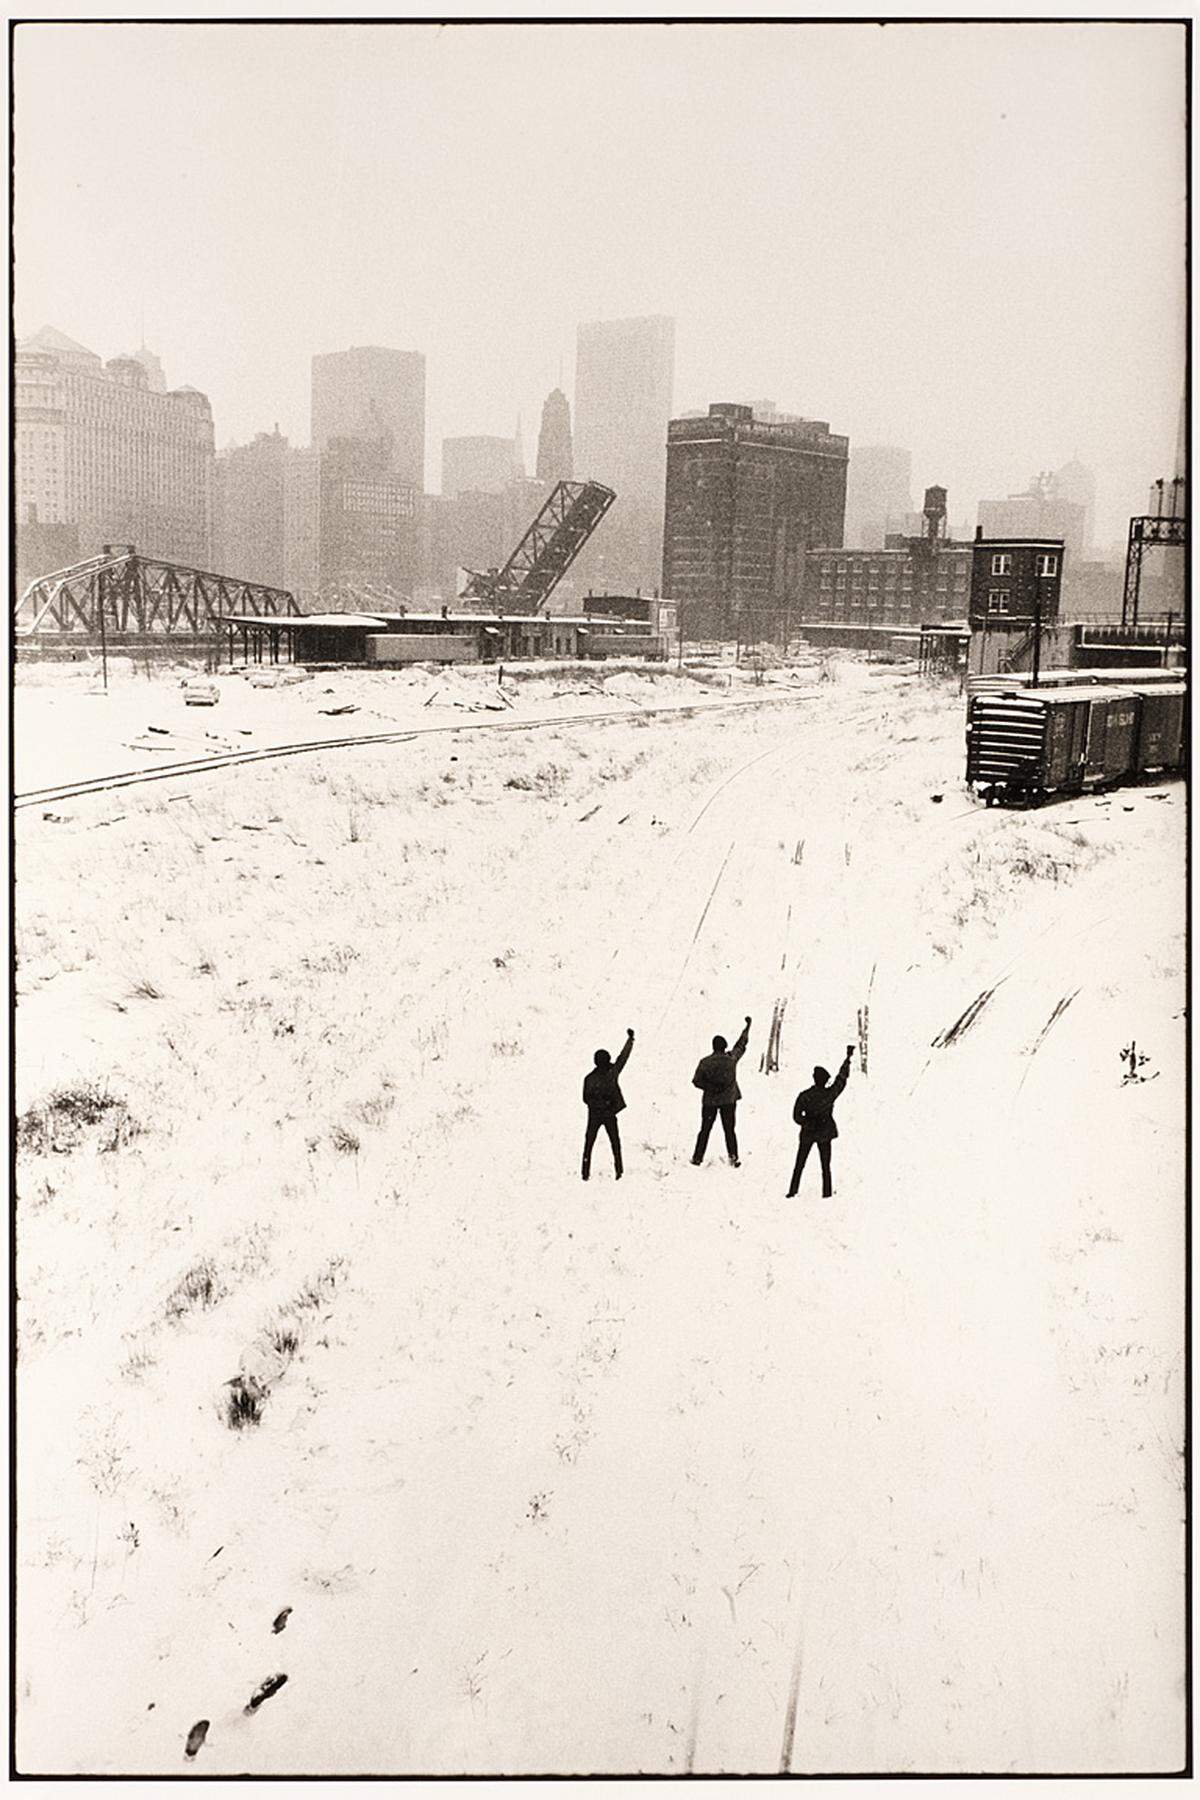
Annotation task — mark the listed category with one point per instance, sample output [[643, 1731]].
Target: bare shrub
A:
[[345, 1142], [145, 990]]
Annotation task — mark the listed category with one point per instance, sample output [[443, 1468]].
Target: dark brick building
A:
[[908, 584], [913, 581], [1016, 583], [746, 498], [1011, 576]]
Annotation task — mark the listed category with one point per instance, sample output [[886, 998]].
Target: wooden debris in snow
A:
[[196, 1737], [263, 1691]]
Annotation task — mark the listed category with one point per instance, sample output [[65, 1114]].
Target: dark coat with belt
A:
[[813, 1111], [716, 1074], [601, 1088]]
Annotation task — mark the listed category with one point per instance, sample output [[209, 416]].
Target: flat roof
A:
[[327, 621], [1058, 696], [380, 622]]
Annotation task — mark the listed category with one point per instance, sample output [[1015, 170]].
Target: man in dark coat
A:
[[604, 1100], [813, 1113], [716, 1077]]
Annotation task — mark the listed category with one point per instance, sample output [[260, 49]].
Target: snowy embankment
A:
[[558, 1477]]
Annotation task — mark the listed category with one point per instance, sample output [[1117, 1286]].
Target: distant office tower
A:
[[878, 496], [624, 382], [1040, 512], [477, 465], [555, 461], [1075, 484], [98, 449], [266, 515], [153, 366], [476, 531], [302, 526], [373, 394], [369, 528], [746, 498], [249, 531]]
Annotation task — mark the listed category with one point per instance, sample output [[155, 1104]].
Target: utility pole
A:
[[1037, 630]]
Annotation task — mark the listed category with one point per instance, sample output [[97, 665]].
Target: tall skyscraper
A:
[[98, 449], [555, 461], [624, 385], [373, 394], [477, 465], [878, 494], [746, 498]]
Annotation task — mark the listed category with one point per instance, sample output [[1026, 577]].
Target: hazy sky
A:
[[963, 239]]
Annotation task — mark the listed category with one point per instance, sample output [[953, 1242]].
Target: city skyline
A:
[[1044, 321]]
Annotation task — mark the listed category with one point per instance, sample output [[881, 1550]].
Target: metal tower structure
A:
[[122, 594], [1146, 531], [547, 550]]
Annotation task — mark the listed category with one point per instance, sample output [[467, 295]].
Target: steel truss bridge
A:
[[547, 550], [123, 595]]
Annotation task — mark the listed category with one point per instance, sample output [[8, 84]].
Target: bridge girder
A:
[[127, 595]]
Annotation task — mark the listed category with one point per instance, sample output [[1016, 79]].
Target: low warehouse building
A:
[[399, 638]]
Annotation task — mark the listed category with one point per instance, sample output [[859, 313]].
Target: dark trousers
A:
[[708, 1116], [608, 1121], [826, 1153]]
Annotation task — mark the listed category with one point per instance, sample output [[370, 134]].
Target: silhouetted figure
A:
[[604, 1100], [716, 1077], [813, 1113]]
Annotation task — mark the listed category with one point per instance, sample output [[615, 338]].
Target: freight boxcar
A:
[[1026, 745], [1159, 749], [1111, 730]]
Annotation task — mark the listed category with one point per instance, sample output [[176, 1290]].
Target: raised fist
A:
[[849, 1049], [629, 1031], [747, 1018]]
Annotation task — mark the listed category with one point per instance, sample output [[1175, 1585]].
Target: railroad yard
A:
[[331, 1367]]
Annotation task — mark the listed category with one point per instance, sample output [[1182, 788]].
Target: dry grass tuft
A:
[[63, 1122], [244, 1404], [200, 1288]]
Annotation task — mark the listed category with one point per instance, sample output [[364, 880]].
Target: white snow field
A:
[[667, 1475]]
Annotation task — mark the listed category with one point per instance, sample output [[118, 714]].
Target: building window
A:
[[1047, 565], [997, 600], [1002, 564]]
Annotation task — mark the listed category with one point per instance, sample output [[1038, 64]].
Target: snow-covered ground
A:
[[557, 1477]]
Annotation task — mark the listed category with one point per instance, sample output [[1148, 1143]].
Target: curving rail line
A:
[[99, 784]]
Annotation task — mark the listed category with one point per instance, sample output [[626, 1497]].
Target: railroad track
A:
[[100, 784]]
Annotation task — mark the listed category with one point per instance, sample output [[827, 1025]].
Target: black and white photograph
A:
[[599, 746]]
